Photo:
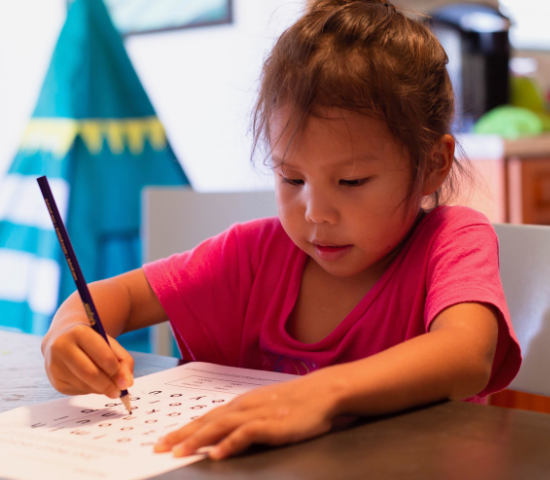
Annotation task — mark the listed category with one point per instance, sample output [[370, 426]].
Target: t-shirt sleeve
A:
[[204, 292], [463, 266]]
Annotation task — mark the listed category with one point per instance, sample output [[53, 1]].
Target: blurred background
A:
[[201, 80], [170, 84]]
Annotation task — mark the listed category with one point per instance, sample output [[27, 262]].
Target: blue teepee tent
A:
[[94, 133]]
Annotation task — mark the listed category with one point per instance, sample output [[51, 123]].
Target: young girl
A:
[[379, 303]]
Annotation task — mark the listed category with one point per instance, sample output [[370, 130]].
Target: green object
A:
[[96, 136], [545, 119], [525, 93], [510, 122]]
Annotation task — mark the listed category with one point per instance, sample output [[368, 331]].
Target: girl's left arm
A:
[[452, 361]]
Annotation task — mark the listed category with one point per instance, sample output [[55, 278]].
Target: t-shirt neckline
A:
[[358, 310]]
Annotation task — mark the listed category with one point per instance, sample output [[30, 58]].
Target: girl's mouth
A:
[[331, 253]]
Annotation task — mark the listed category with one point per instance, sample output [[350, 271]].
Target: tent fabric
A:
[[96, 136], [90, 74]]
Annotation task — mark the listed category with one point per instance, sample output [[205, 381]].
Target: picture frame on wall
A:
[[134, 17]]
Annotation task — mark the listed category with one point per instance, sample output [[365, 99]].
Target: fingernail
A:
[[122, 383], [161, 441], [179, 450], [161, 446], [216, 453]]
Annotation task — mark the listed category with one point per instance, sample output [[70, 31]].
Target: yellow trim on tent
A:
[[57, 135]]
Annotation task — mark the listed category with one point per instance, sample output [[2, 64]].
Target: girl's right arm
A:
[[78, 360]]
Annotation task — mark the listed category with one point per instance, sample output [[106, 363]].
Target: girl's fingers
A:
[[69, 384], [65, 382], [209, 434], [122, 354], [256, 431], [84, 369], [124, 378], [166, 443], [73, 386], [106, 357], [83, 358], [101, 354]]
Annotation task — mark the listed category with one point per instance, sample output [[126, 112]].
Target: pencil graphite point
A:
[[126, 401]]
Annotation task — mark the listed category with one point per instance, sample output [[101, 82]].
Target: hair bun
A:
[[347, 2], [325, 4]]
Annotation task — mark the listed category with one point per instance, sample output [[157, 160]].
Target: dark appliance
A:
[[476, 40]]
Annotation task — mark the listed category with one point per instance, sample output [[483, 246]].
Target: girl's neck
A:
[[324, 300]]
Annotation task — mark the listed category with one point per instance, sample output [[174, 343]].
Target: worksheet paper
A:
[[94, 437]]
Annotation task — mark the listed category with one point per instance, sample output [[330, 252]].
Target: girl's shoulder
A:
[[453, 229], [257, 226], [260, 242], [258, 230], [260, 235], [454, 218]]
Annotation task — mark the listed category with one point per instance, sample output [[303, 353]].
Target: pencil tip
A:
[[126, 401]]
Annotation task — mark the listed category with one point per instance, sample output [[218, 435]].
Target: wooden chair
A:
[[178, 219], [525, 273]]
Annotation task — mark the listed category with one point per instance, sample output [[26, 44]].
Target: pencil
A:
[[70, 256]]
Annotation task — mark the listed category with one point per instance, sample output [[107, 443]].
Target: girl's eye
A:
[[290, 181], [354, 183]]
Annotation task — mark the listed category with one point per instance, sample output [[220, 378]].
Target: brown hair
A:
[[363, 56]]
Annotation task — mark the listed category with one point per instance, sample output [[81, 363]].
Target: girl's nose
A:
[[319, 209]]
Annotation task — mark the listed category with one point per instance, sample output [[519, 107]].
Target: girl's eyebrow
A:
[[344, 162]]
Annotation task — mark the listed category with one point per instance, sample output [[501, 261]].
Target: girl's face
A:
[[341, 190]]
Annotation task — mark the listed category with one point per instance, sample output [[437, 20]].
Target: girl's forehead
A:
[[285, 124], [334, 132]]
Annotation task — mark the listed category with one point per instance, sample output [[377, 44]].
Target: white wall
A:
[[28, 32], [202, 82]]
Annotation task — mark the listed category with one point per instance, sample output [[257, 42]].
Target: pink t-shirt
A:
[[228, 299]]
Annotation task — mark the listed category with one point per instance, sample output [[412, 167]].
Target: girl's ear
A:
[[441, 161]]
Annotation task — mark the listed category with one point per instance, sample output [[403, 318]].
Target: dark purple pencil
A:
[[70, 256]]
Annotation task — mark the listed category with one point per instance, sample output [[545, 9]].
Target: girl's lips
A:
[[331, 254]]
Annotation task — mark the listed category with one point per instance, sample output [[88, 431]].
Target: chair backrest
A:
[[525, 274], [178, 219]]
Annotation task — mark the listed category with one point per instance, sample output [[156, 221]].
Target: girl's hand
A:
[[273, 415], [79, 361]]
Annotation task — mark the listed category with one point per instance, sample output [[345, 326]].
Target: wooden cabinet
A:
[[528, 187], [527, 180]]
